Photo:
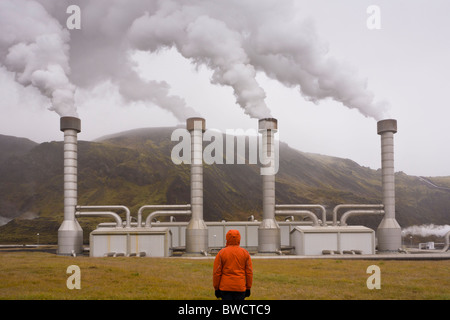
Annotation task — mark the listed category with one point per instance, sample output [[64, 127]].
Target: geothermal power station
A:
[[311, 235]]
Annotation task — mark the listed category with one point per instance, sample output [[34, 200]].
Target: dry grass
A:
[[37, 275]]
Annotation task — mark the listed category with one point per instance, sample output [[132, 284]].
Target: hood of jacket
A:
[[233, 238]]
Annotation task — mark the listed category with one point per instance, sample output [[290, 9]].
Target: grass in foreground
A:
[[37, 275]]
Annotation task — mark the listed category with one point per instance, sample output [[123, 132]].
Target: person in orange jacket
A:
[[233, 271]]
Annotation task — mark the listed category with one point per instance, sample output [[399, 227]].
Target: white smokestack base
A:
[[196, 231], [269, 240], [70, 234], [389, 231]]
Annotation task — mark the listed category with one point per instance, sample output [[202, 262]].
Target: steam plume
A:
[[204, 40], [235, 39], [302, 60], [35, 46], [426, 230]]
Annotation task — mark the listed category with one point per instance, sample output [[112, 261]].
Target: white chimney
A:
[[269, 240], [196, 231], [70, 234], [389, 231]]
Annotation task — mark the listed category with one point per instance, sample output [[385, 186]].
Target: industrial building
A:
[[307, 232]]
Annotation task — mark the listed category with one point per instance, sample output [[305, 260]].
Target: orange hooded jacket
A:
[[233, 269]]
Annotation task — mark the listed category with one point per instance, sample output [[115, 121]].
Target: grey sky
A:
[[405, 63]]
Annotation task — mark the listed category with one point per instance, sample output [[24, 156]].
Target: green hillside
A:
[[134, 168], [14, 146]]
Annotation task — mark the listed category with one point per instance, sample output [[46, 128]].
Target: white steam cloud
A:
[[427, 230], [206, 40], [35, 47], [235, 39]]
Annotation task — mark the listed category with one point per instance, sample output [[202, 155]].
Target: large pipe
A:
[[447, 241], [306, 206], [111, 214], [269, 239], [389, 231], [154, 214], [300, 213], [444, 249], [351, 213], [108, 207], [353, 206], [196, 230], [160, 207], [70, 234]]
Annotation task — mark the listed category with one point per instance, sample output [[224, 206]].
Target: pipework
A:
[[352, 213], [300, 213], [115, 216], [353, 206], [112, 207], [155, 214], [160, 207], [323, 211]]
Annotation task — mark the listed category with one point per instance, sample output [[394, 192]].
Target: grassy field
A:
[[39, 275]]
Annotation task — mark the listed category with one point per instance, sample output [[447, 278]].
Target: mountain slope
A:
[[134, 168], [14, 146]]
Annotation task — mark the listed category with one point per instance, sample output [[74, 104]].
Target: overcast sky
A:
[[405, 63]]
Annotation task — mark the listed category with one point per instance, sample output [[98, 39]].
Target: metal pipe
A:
[[444, 249], [107, 207], [353, 206], [165, 213], [447, 241], [114, 215], [389, 231], [306, 206], [350, 213], [159, 206], [70, 234], [307, 213], [269, 239], [196, 231]]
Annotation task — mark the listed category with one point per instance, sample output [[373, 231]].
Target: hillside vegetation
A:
[[134, 168]]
